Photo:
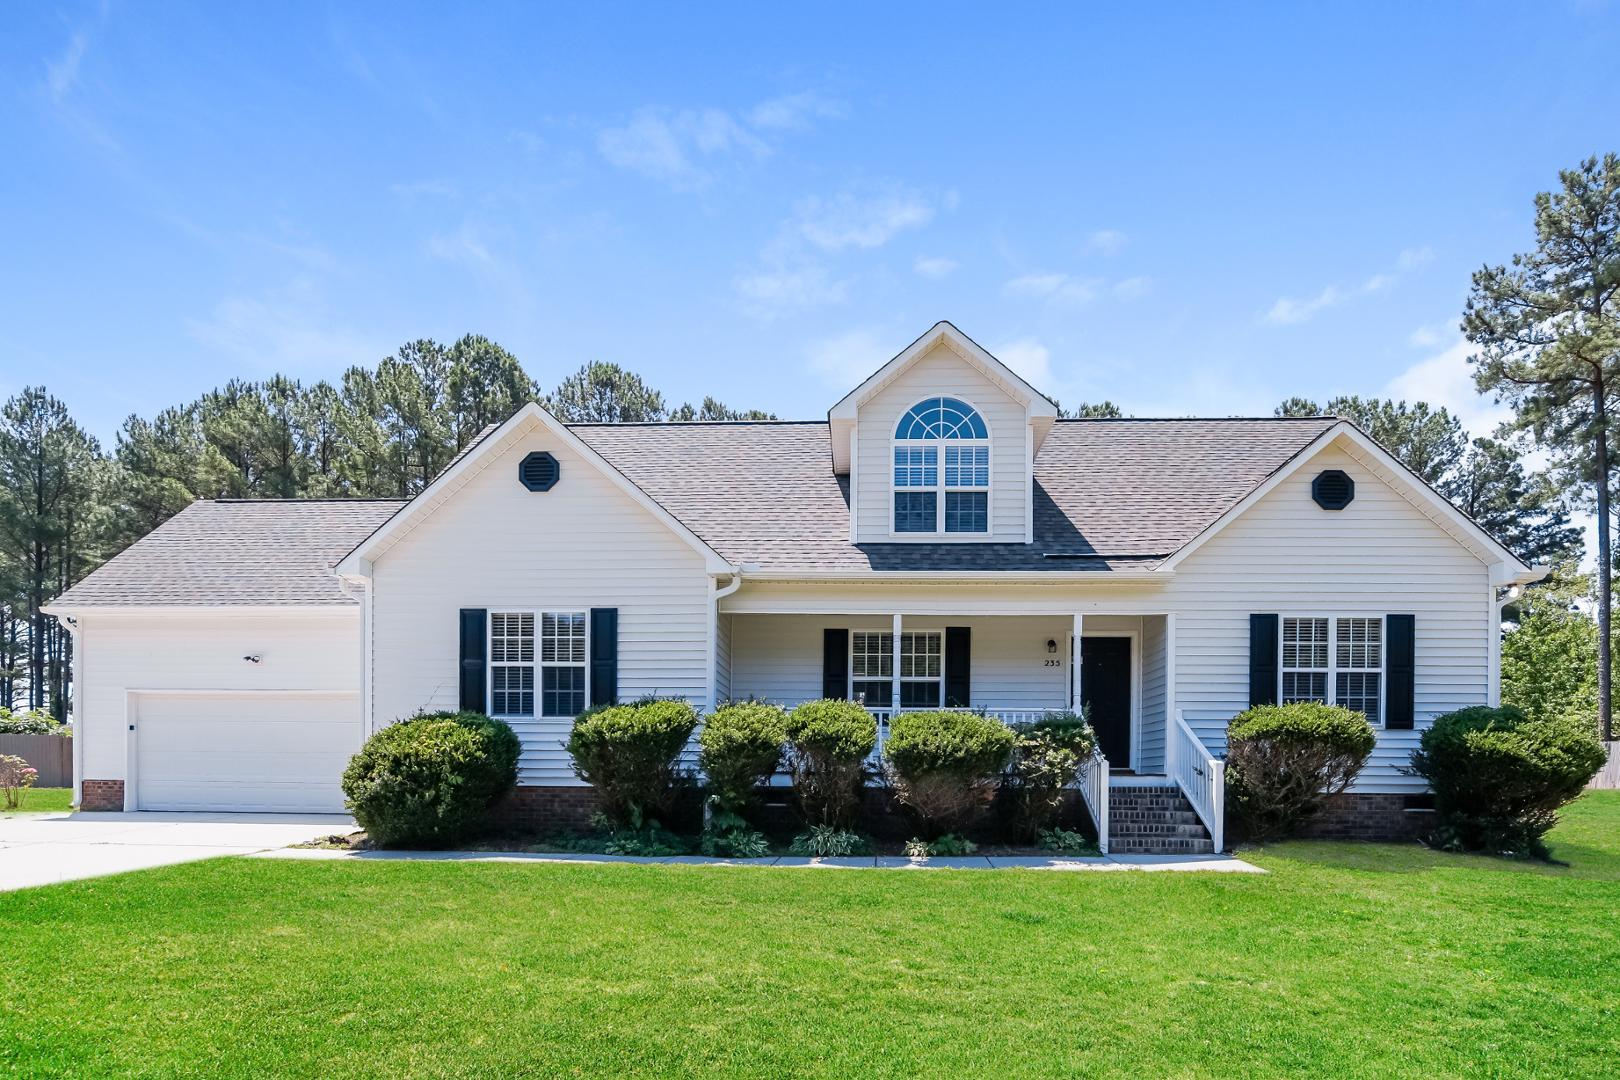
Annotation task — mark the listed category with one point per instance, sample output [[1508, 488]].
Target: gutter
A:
[[900, 577]]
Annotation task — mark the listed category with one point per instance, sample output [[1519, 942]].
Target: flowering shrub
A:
[[34, 722], [16, 777]]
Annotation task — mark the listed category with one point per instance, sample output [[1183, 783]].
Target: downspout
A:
[[76, 702], [1499, 599], [714, 632]]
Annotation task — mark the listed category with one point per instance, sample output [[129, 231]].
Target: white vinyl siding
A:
[[942, 373], [493, 544]]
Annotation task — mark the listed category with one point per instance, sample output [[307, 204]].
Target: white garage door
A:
[[271, 752]]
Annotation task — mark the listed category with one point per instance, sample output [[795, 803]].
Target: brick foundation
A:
[[101, 795], [547, 809], [1367, 816]]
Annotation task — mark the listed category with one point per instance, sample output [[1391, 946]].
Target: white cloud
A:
[[792, 112], [1291, 311], [1446, 379], [674, 145], [1106, 242], [845, 361], [62, 74], [284, 329], [935, 267], [850, 220], [1029, 358], [781, 290], [1432, 334], [1054, 288], [1132, 287]]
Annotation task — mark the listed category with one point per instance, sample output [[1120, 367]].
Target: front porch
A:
[[1016, 668]]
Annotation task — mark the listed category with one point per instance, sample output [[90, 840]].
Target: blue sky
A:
[[1188, 209]]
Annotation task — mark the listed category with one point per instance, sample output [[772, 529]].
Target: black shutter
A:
[[1262, 660], [835, 663], [604, 655], [1401, 667], [958, 667], [474, 650]]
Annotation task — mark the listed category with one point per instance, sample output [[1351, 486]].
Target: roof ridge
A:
[[1185, 419], [295, 500], [689, 423]]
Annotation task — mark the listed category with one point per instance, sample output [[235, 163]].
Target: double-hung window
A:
[[1337, 660], [922, 668], [941, 469], [537, 658]]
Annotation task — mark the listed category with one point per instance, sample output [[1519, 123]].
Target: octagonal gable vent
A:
[[1333, 489], [538, 471]]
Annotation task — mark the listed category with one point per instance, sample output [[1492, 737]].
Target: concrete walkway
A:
[[42, 849], [1216, 863]]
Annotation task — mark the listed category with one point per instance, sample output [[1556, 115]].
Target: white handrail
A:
[[1201, 777], [1094, 791]]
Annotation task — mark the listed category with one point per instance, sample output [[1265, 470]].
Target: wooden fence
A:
[[52, 755], [1608, 777]]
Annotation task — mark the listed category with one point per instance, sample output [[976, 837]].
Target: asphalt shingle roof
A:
[[230, 551], [1109, 495]]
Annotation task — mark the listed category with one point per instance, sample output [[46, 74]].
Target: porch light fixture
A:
[[1051, 645], [253, 658]]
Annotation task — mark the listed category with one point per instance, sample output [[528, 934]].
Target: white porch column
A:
[[894, 689], [1074, 663]]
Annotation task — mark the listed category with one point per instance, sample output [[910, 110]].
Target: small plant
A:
[[650, 841], [1284, 761], [1046, 761], [829, 742], [740, 749], [734, 844], [16, 777], [33, 722], [1067, 842], [829, 842], [431, 779], [631, 755], [1499, 777], [944, 765], [947, 846]]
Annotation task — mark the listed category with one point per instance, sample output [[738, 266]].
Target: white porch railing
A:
[[1094, 790], [1201, 777]]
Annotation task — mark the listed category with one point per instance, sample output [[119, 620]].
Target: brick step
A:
[[1125, 792], [1161, 846], [1192, 832], [1162, 817]]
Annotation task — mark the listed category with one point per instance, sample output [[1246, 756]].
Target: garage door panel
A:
[[251, 752]]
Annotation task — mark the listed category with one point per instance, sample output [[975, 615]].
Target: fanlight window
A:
[[931, 499]]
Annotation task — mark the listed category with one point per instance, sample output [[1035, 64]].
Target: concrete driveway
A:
[[41, 849]]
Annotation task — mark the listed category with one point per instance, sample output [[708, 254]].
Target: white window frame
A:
[[1332, 671], [538, 664], [939, 487], [886, 638]]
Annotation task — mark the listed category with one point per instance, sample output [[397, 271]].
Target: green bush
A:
[[740, 749], [947, 846], [829, 741], [1067, 842], [34, 722], [431, 779], [1047, 758], [944, 765], [1284, 761], [1499, 777], [631, 755]]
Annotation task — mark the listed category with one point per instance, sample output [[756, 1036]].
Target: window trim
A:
[[894, 705], [1332, 670], [939, 487], [538, 664]]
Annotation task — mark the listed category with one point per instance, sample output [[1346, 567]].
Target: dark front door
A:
[[1105, 687]]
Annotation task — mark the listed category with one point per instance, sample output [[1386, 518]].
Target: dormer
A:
[[939, 446]]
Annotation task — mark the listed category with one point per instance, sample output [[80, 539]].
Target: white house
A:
[[941, 539]]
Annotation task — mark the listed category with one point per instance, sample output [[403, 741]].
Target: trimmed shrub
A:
[[1499, 777], [829, 741], [1284, 761], [944, 765], [631, 755], [740, 749], [34, 722], [1047, 758], [432, 778]]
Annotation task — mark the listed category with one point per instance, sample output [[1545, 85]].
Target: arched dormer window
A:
[[941, 469]]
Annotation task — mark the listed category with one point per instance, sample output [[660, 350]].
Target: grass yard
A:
[[38, 800], [1347, 960]]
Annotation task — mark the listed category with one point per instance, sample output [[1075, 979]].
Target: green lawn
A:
[[35, 800], [1346, 960]]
